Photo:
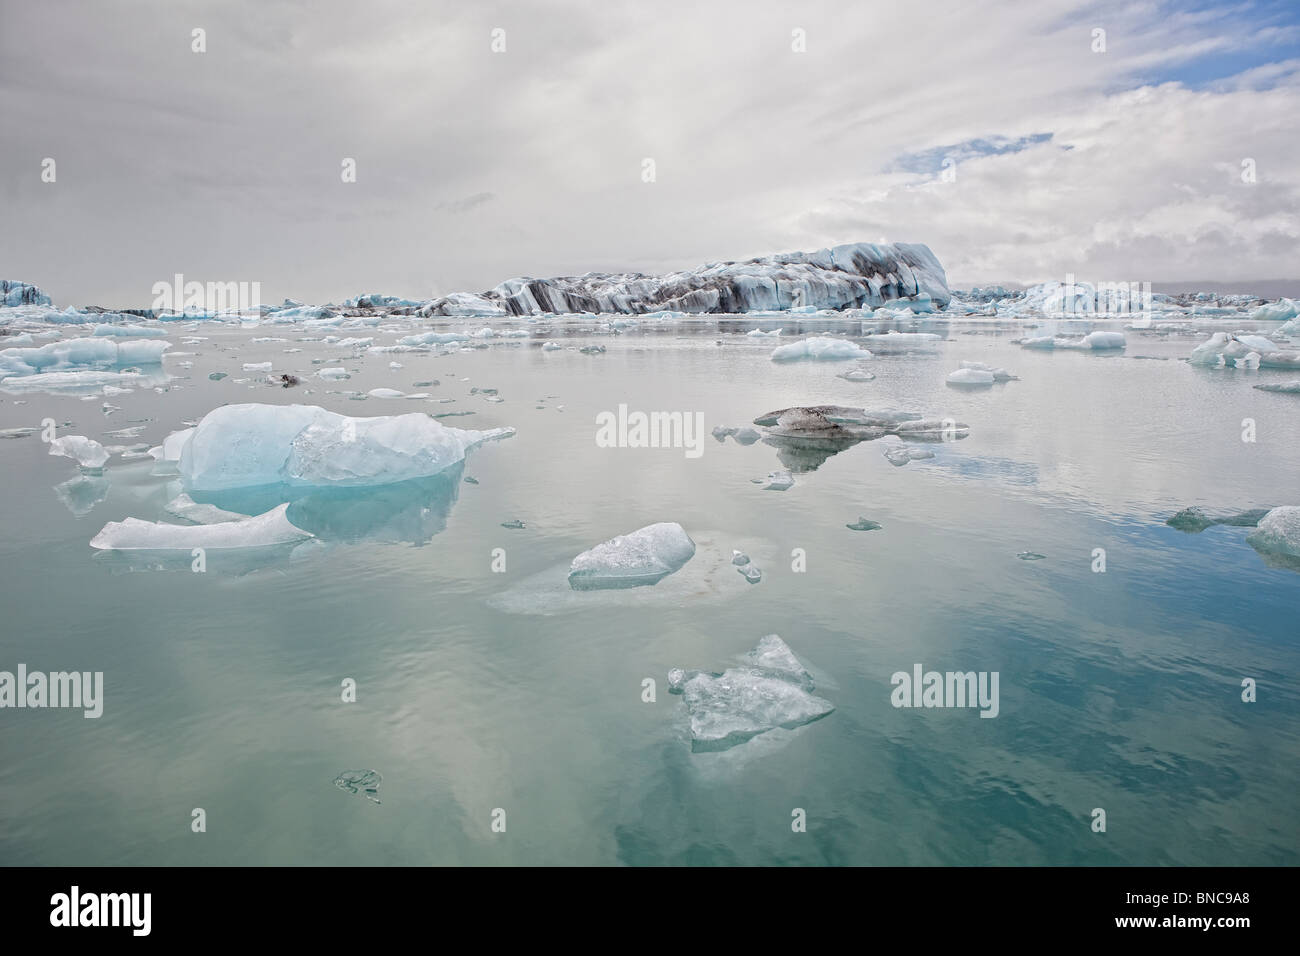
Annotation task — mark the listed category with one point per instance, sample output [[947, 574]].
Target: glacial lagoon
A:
[[487, 689]]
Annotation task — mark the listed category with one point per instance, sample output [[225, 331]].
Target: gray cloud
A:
[[473, 166]]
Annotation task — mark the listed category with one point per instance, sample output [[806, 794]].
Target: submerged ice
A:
[[771, 690]]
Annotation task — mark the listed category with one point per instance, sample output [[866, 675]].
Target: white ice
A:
[[132, 534], [87, 452], [1278, 532], [641, 557], [819, 349]]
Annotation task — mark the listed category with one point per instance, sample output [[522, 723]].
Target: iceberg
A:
[[60, 380], [819, 349], [87, 452], [642, 557], [1279, 311], [851, 276], [123, 330], [83, 353], [1242, 350], [970, 376], [771, 690], [132, 534], [1278, 533], [242, 446], [14, 293], [1093, 341]]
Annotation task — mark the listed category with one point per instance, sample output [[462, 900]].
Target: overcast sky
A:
[[473, 166]]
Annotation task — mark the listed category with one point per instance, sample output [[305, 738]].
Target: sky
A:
[[1141, 140]]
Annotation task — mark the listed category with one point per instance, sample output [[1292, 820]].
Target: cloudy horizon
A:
[[1150, 141]]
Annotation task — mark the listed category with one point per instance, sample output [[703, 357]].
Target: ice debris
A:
[[771, 690], [87, 452], [819, 348], [133, 534]]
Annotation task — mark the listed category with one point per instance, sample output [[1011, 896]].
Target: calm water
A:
[[480, 690]]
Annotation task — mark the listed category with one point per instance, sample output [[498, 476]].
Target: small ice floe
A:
[[110, 390], [778, 481], [333, 374], [739, 558], [396, 365], [750, 573], [1242, 350], [592, 349], [1278, 535], [257, 366], [819, 348], [895, 341], [1195, 520], [970, 377], [760, 334], [216, 376], [1286, 388], [641, 557], [385, 393], [900, 454], [864, 524], [551, 346], [133, 534], [514, 524], [364, 782], [1279, 311], [720, 432], [1030, 556], [1093, 341], [745, 435], [856, 375], [87, 452], [18, 432], [770, 690]]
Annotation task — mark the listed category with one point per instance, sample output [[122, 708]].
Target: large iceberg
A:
[[856, 275], [14, 293], [644, 556], [86, 353], [772, 689], [244, 446]]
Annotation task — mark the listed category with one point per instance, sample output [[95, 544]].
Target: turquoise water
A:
[[480, 690]]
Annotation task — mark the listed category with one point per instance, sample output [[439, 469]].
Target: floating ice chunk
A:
[[1292, 388], [1278, 532], [771, 691], [551, 346], [83, 379], [385, 393], [83, 353], [433, 338], [263, 530], [1235, 348], [751, 573], [1194, 520], [257, 366], [819, 348], [999, 374], [760, 334], [721, 432], [333, 374], [739, 558], [856, 375], [87, 452], [183, 506], [1093, 341], [894, 340], [239, 446], [1278, 311], [970, 376], [746, 435], [864, 524], [1030, 556], [941, 429], [899, 455], [365, 782], [779, 481], [395, 365], [642, 557]]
